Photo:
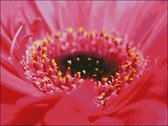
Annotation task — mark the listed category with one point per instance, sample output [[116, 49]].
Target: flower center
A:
[[90, 66], [62, 61]]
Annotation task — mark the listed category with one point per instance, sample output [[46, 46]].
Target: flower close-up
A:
[[84, 63]]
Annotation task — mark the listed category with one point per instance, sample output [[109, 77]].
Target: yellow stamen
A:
[[44, 55], [46, 41], [57, 34], [126, 77], [78, 74], [134, 70], [81, 30], [36, 43], [118, 74], [59, 75], [105, 79], [48, 37], [68, 76], [34, 61], [50, 69], [54, 63], [43, 61], [45, 48], [33, 54], [70, 30]]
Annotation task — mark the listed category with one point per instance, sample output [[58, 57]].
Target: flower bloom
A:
[[71, 63]]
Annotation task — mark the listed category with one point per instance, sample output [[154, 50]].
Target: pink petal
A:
[[32, 107], [74, 108], [143, 17], [108, 121], [9, 96], [145, 112], [47, 11], [73, 14], [11, 81], [100, 13], [156, 48], [7, 112], [149, 86], [26, 14]]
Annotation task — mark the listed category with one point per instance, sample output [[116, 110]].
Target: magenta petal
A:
[[7, 112], [48, 13], [145, 112], [157, 42], [11, 81], [33, 110], [74, 108], [108, 121], [149, 86], [99, 12], [9, 96], [77, 14], [26, 14]]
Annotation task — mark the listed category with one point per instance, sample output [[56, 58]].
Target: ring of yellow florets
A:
[[41, 67]]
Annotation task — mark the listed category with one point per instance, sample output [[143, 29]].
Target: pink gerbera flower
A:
[[83, 63]]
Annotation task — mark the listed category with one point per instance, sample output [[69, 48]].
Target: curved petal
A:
[[143, 15], [9, 96], [145, 112], [47, 11], [105, 120], [156, 46], [100, 15], [7, 112], [26, 14], [11, 81], [149, 86], [79, 103], [32, 107]]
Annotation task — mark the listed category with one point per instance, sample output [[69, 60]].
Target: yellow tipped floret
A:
[[54, 63], [89, 34], [70, 30], [46, 41], [81, 29], [50, 69], [45, 48], [68, 76], [126, 77], [43, 61], [57, 34], [78, 74], [33, 54], [105, 79], [48, 37], [131, 78], [44, 55], [134, 70], [36, 43], [34, 61], [117, 73], [59, 75]]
